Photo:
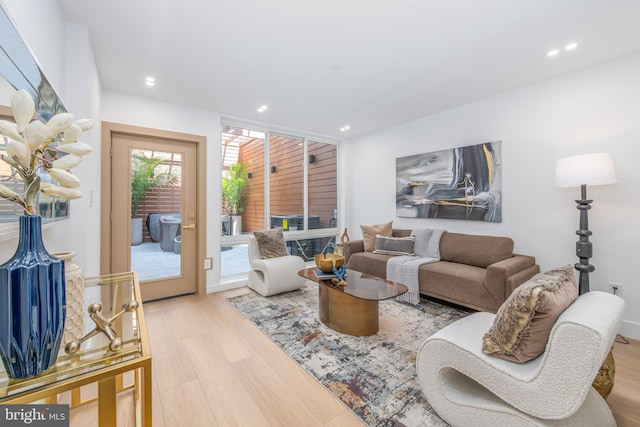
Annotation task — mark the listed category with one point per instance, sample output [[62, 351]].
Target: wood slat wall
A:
[[164, 199], [252, 155], [323, 181], [286, 184]]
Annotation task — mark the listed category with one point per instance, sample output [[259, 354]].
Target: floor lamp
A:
[[580, 171]]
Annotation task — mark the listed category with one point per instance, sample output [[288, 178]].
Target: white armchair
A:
[[273, 275], [467, 387]]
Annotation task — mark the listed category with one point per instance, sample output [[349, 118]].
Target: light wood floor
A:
[[213, 367], [624, 400]]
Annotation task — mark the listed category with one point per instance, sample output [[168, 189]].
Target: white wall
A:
[[133, 110], [41, 24], [81, 95], [66, 57], [594, 110]]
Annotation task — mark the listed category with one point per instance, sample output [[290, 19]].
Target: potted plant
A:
[[143, 179], [233, 187]]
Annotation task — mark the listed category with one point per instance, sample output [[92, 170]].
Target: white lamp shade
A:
[[585, 169]]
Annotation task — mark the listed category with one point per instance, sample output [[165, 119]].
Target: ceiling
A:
[[369, 64]]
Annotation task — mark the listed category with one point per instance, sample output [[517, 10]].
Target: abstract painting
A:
[[457, 183]]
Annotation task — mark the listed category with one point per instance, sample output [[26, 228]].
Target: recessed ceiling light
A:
[[336, 66], [150, 81], [553, 52], [345, 128], [571, 46], [262, 109]]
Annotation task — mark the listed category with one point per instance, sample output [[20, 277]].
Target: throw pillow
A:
[[522, 326], [394, 245], [271, 243], [369, 233]]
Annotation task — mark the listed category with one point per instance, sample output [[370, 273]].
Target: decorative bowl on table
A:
[[326, 262]]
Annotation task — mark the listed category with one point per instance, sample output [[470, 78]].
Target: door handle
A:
[[189, 227]]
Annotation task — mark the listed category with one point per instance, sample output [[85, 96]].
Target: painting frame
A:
[[463, 183]]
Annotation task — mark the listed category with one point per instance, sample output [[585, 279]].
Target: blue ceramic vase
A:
[[32, 304]]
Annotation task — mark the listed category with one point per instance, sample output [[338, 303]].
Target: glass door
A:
[[154, 213]]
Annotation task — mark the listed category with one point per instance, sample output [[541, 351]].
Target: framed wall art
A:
[[457, 183]]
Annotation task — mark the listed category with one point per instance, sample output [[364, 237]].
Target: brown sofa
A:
[[478, 272]]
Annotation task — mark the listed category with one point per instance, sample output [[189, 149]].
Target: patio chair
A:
[[273, 276]]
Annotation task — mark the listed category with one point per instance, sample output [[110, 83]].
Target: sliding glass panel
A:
[[274, 165], [286, 186], [234, 260], [308, 248], [322, 185], [242, 180]]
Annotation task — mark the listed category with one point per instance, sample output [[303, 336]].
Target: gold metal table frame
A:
[[94, 362]]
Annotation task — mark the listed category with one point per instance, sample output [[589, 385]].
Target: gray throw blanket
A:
[[404, 269]]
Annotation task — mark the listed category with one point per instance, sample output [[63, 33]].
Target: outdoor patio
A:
[[151, 262]]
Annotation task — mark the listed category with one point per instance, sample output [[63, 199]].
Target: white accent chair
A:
[[469, 388], [273, 276]]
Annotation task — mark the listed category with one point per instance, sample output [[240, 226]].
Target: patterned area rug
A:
[[374, 376]]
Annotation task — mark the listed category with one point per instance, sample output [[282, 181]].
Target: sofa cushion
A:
[[394, 245], [271, 243], [480, 251], [521, 328], [457, 283], [369, 233], [368, 262]]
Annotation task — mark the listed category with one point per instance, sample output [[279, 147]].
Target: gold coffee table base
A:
[[344, 313], [352, 309]]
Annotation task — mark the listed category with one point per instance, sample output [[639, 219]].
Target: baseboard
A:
[[630, 330], [225, 286]]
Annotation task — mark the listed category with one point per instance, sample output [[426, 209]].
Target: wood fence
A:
[[287, 180]]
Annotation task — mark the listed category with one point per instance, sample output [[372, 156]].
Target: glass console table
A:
[[94, 362]]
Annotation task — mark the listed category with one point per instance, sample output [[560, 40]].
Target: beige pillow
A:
[[369, 233], [271, 243], [523, 323]]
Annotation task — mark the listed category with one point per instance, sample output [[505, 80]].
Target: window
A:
[[322, 184], [270, 180]]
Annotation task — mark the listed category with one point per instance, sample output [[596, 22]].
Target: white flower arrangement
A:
[[33, 146]]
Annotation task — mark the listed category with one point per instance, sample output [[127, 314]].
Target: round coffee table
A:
[[353, 309]]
